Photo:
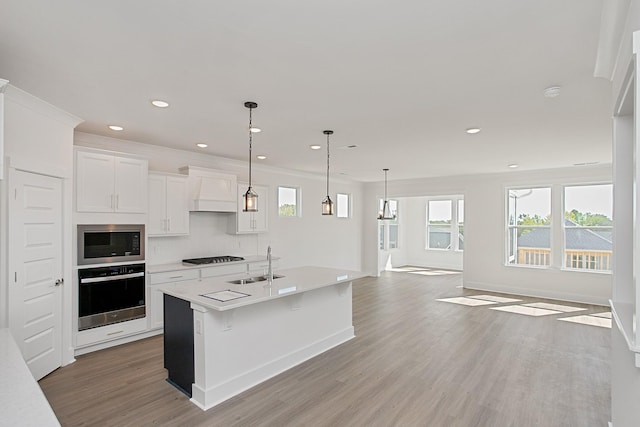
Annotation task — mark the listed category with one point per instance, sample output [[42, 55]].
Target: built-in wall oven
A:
[[108, 290], [110, 294]]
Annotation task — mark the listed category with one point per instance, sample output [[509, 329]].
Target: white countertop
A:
[[177, 266], [22, 402], [294, 281]]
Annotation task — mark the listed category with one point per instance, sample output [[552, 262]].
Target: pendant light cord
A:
[[250, 144], [327, 165]]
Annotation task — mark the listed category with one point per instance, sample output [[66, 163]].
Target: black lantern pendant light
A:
[[250, 197], [327, 204], [385, 213]]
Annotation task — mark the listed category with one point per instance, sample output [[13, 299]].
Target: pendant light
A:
[[327, 204], [385, 213], [250, 197]]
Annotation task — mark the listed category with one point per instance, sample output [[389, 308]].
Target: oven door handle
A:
[[111, 278]]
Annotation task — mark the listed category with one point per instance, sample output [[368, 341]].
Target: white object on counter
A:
[[22, 402], [245, 341]]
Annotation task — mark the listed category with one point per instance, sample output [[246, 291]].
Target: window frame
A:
[[591, 258], [454, 226], [349, 205], [298, 204]]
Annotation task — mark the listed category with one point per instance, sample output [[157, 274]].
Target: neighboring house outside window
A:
[[587, 227]]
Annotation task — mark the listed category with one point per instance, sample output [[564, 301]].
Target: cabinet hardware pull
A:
[[175, 277], [115, 332]]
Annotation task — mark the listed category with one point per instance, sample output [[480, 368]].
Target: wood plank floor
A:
[[415, 361]]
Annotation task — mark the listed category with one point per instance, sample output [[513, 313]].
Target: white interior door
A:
[[35, 275]]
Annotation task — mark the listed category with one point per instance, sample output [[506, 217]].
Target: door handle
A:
[[59, 282]]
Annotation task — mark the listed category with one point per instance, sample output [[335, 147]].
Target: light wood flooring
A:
[[415, 361]]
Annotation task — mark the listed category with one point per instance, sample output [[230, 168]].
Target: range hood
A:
[[211, 190]]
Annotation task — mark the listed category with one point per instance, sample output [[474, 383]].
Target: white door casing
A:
[[35, 269]]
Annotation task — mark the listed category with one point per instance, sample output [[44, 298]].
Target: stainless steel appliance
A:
[[110, 295], [212, 259], [98, 244]]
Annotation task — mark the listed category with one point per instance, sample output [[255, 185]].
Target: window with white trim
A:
[[529, 226], [588, 227], [343, 205], [288, 201], [445, 224]]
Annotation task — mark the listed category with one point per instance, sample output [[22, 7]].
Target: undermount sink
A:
[[254, 279]]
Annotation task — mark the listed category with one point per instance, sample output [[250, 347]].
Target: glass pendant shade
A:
[[327, 204], [385, 213], [250, 197], [250, 201]]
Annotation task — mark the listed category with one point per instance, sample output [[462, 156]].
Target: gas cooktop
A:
[[212, 260]]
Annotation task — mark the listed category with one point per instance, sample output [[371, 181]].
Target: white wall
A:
[[484, 260], [625, 375], [38, 138], [312, 239]]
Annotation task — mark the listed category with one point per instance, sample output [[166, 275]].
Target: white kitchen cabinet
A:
[[251, 222], [168, 205], [155, 307], [110, 183]]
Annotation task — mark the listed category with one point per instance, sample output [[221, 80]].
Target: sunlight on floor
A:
[[535, 309], [466, 301]]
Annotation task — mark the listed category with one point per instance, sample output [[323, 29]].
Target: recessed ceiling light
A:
[[513, 165], [261, 157], [255, 130], [201, 145], [551, 91], [315, 147], [116, 127], [471, 131], [160, 103]]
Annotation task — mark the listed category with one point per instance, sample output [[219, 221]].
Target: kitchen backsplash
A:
[[208, 237]]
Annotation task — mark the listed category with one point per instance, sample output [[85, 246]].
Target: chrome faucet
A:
[[270, 270]]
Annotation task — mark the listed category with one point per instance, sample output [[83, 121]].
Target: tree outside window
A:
[[529, 226], [588, 227]]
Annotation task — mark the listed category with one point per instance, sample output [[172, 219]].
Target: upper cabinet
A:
[[210, 190], [251, 222], [110, 183], [168, 205]]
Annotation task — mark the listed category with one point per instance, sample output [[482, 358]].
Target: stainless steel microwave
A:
[[107, 243]]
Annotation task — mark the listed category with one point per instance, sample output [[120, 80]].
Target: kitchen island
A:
[[222, 338]]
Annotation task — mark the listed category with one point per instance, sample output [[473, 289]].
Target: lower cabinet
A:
[[155, 312]]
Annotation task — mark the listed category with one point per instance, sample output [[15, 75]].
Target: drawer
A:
[[223, 270], [173, 276], [110, 332]]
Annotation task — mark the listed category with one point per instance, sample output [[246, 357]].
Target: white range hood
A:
[[211, 190]]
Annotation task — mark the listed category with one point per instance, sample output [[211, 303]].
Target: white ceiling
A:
[[400, 80]]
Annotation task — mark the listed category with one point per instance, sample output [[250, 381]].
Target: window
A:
[[343, 205], [529, 226], [388, 229], [588, 227], [461, 225], [288, 201], [445, 224]]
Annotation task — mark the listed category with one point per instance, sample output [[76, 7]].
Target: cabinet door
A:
[[156, 314], [156, 224], [177, 205], [253, 222], [94, 182], [130, 185], [260, 218]]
